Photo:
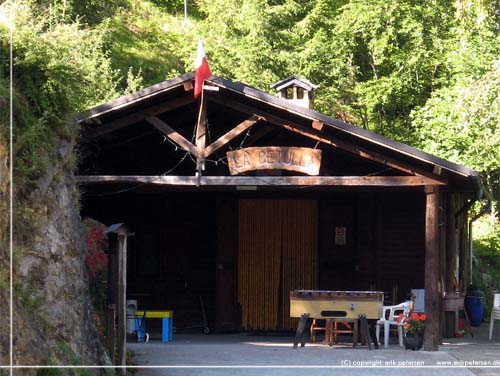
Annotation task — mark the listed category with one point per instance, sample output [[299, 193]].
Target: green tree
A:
[[460, 121]]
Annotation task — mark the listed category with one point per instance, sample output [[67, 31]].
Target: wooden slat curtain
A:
[[299, 253], [277, 253]]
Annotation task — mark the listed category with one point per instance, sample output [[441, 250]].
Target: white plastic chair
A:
[[495, 312], [389, 317]]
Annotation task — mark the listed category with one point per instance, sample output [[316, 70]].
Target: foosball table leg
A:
[[369, 332], [299, 335]]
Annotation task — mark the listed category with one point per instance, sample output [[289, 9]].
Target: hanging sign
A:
[[305, 160], [340, 235]]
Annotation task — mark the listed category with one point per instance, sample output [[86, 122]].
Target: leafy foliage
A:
[[486, 265], [59, 69], [142, 38], [423, 72]]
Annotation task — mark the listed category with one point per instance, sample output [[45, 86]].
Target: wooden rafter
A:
[[136, 117], [310, 132], [169, 132], [353, 181], [233, 133]]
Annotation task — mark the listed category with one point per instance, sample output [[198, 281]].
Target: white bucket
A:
[[131, 309]]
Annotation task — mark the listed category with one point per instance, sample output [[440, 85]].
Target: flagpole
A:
[[185, 12], [201, 137], [201, 74]]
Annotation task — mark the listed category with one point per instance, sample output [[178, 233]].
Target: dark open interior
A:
[[185, 246]]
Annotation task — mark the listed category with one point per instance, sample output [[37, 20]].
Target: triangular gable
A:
[[258, 105]]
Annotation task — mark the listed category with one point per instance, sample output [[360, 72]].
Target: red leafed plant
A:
[[97, 243], [415, 323], [97, 265]]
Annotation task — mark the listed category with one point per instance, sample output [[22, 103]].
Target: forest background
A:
[[423, 72]]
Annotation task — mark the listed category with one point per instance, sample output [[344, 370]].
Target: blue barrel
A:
[[475, 308]]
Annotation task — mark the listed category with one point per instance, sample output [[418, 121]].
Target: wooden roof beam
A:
[[313, 134], [173, 135], [353, 181], [136, 117], [232, 134]]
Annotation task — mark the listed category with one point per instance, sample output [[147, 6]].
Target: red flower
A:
[[415, 323]]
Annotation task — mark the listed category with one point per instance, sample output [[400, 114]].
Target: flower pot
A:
[[413, 341]]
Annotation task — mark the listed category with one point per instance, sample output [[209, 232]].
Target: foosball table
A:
[[320, 304]]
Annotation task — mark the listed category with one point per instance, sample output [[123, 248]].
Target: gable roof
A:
[[262, 101], [294, 80]]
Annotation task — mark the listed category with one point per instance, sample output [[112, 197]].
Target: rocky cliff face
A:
[[52, 307]]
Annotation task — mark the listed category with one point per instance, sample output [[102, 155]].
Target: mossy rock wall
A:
[[52, 323]]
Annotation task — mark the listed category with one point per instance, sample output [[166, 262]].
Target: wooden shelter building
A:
[[239, 197]]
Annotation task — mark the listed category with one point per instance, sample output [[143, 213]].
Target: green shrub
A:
[[486, 266]]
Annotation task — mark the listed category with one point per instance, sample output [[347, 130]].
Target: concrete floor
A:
[[241, 354]]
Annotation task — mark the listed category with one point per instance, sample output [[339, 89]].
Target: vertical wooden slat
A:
[[299, 252], [266, 229], [259, 242]]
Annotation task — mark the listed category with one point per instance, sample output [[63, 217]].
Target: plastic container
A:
[[131, 310], [474, 304]]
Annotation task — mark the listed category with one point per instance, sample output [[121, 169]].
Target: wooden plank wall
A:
[[400, 243], [225, 295], [277, 253], [337, 262], [385, 242]]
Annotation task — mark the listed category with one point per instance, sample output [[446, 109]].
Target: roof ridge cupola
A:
[[296, 89]]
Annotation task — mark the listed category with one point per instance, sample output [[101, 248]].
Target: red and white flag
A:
[[202, 69]]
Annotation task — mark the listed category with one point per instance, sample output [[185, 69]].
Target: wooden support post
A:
[[122, 288], [121, 277], [111, 332], [433, 288]]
